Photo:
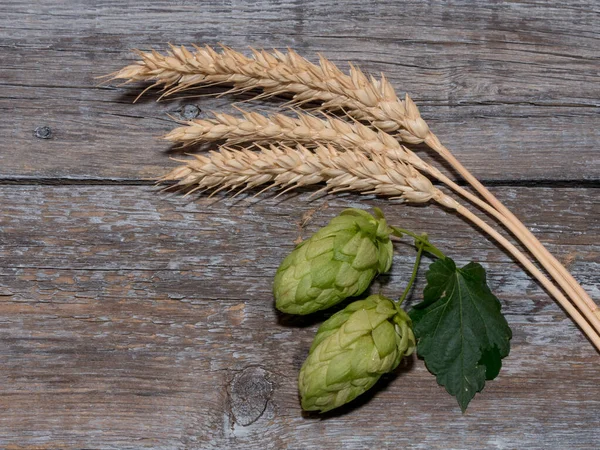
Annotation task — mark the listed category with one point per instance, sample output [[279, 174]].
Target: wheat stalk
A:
[[349, 170], [362, 97]]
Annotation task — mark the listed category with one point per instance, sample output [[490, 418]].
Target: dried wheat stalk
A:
[[349, 170], [360, 96]]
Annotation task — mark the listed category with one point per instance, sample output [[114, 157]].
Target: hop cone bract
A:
[[351, 350], [338, 261]]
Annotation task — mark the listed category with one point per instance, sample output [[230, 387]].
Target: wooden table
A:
[[135, 319]]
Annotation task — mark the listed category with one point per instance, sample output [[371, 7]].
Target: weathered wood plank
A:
[[132, 319], [521, 78]]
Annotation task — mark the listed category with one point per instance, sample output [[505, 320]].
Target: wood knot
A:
[[43, 132], [189, 112], [249, 392]]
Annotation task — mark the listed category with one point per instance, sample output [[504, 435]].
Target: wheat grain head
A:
[[276, 72], [289, 167]]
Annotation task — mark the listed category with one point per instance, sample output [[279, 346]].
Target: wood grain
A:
[[134, 319]]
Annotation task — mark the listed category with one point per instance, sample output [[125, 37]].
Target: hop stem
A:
[[419, 240], [420, 246]]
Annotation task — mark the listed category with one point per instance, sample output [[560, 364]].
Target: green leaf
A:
[[461, 333]]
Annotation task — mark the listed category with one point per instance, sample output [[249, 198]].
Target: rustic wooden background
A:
[[135, 319]]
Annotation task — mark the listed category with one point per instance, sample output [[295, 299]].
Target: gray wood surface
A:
[[135, 319]]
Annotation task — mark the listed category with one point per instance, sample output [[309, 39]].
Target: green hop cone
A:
[[338, 261], [351, 350]]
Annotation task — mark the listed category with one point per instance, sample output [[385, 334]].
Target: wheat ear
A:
[[290, 167], [349, 170], [277, 73], [305, 128]]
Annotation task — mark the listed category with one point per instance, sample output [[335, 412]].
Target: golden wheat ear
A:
[[275, 73]]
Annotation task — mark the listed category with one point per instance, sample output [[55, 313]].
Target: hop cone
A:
[[351, 350], [337, 262]]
